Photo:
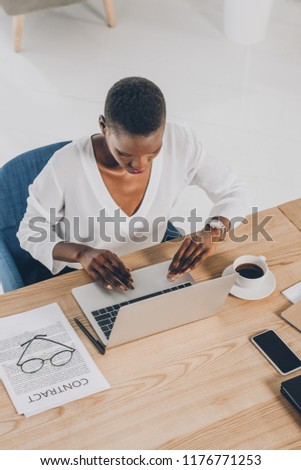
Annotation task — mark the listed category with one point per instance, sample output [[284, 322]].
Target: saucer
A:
[[264, 290]]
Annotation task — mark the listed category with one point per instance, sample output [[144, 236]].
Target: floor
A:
[[244, 102]]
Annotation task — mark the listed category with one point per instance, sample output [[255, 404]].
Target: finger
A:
[[109, 278], [117, 280], [100, 280], [189, 257], [113, 269], [121, 266], [186, 263], [199, 260], [177, 257], [176, 276]]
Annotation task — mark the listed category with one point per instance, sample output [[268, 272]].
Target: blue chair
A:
[[172, 233], [17, 267]]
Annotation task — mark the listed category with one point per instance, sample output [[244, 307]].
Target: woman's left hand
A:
[[192, 253]]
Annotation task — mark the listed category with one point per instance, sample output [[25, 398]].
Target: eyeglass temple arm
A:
[[28, 344], [56, 342], [31, 340], [45, 339]]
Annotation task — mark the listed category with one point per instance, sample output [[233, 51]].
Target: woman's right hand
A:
[[106, 268]]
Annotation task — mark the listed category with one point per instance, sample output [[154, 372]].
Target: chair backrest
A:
[[15, 178], [20, 7]]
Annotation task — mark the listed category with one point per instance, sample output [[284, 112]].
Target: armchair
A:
[[18, 8], [17, 267]]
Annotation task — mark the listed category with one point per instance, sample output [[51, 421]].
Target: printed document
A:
[[293, 293], [43, 363]]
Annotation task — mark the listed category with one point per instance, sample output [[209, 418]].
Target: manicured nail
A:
[[109, 286]]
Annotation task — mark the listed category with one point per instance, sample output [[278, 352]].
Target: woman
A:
[[87, 206]]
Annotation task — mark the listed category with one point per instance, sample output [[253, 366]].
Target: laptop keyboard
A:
[[106, 317]]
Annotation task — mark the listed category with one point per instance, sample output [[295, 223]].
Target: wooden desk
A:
[[200, 386], [292, 210]]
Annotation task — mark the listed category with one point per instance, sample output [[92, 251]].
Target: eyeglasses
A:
[[58, 359]]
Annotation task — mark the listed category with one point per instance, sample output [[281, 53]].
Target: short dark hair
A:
[[136, 106]]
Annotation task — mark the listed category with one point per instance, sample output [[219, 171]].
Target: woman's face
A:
[[134, 153]]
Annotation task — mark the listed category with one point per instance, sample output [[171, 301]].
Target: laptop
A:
[[156, 304]]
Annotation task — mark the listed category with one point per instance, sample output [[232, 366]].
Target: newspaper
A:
[[43, 363]]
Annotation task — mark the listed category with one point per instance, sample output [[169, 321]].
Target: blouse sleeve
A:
[[229, 194], [38, 230]]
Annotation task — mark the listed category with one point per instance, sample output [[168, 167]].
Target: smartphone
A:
[[277, 352]]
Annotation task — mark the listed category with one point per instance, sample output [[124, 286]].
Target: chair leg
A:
[[110, 12], [18, 26]]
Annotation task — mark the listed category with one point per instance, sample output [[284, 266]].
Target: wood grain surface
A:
[[292, 210], [199, 386]]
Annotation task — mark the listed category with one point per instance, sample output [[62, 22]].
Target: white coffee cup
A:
[[247, 282]]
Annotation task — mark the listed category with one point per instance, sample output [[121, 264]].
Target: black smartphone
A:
[[277, 352]]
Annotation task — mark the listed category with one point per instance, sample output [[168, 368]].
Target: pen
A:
[[101, 347]]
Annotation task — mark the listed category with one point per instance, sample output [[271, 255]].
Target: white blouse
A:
[[69, 200]]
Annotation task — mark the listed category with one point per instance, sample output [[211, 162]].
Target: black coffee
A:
[[250, 271]]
